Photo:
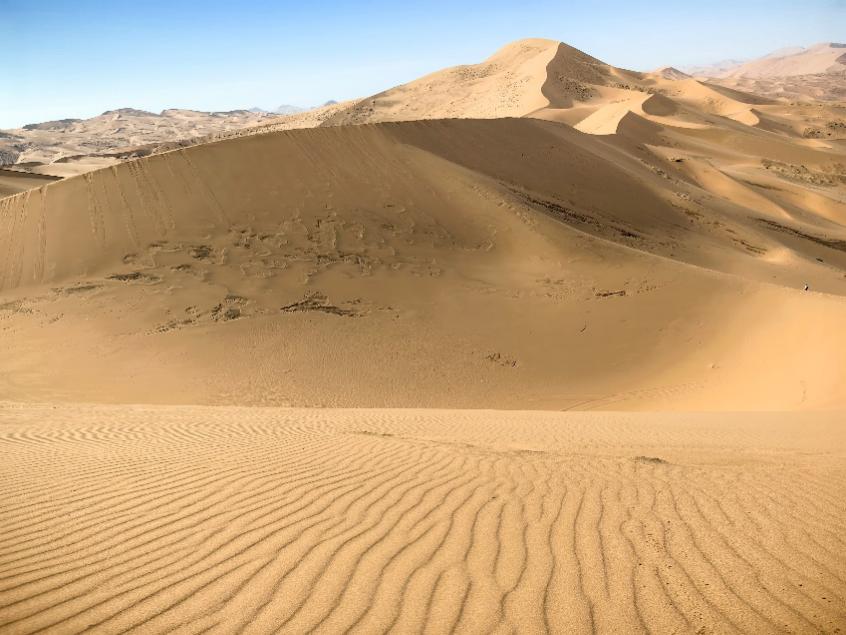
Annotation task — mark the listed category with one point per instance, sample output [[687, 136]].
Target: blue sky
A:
[[77, 58]]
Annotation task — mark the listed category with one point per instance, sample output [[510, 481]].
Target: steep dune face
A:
[[350, 266], [525, 78], [508, 84]]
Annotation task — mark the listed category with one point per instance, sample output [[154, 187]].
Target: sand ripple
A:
[[188, 520]]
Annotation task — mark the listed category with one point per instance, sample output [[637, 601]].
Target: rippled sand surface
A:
[[190, 519]]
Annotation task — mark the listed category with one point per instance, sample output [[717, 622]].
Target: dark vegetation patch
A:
[[652, 460], [502, 360], [607, 294], [763, 186], [15, 306], [318, 302], [832, 176], [200, 252], [133, 276], [571, 216], [834, 128], [759, 251], [82, 288], [222, 313], [831, 243]]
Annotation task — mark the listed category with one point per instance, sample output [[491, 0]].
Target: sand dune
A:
[[550, 80], [669, 72], [401, 520], [348, 266]]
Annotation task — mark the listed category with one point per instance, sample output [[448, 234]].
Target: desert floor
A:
[[214, 519]]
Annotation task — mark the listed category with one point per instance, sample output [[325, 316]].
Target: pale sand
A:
[[224, 520]]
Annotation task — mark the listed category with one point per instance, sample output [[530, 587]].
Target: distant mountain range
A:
[[827, 57], [288, 109], [816, 73], [71, 145]]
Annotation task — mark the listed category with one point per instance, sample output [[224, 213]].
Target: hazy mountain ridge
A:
[[811, 73]]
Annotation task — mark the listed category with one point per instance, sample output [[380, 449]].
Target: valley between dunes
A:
[[341, 379]]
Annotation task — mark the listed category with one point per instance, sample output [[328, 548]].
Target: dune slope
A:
[[351, 266]]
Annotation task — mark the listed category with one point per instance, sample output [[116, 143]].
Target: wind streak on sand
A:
[[188, 519]]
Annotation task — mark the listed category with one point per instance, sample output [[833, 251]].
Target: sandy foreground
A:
[[215, 519]]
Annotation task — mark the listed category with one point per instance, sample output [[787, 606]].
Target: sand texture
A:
[[189, 520]]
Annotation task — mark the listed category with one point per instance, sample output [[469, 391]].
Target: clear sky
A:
[[78, 58]]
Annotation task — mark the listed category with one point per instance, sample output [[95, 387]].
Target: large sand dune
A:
[[351, 266], [228, 520]]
